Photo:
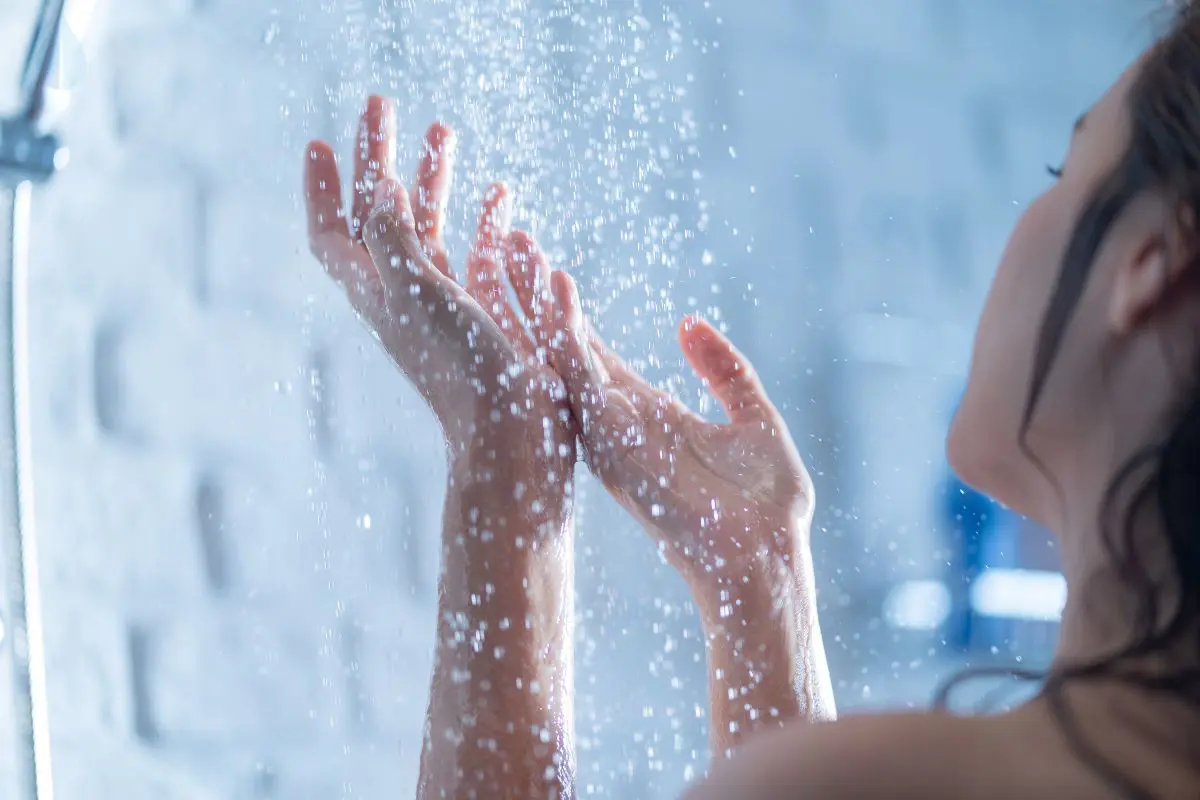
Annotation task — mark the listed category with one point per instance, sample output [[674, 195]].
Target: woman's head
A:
[[1087, 348], [1082, 408], [1102, 361]]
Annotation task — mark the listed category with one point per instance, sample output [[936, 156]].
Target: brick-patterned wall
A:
[[238, 496]]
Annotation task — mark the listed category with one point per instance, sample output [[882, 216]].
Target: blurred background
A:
[[237, 496]]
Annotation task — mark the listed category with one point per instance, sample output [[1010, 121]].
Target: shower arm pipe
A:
[[27, 156], [39, 60], [23, 626]]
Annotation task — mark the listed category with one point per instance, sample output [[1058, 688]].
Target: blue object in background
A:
[[970, 518], [980, 534]]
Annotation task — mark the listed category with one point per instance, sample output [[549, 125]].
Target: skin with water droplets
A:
[[493, 721]]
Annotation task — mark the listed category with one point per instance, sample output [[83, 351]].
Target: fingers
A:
[[571, 355], [390, 235], [329, 235], [435, 332], [374, 154], [728, 373], [348, 265], [530, 275], [608, 420], [416, 290], [323, 193], [485, 275], [431, 192], [484, 280], [391, 198]]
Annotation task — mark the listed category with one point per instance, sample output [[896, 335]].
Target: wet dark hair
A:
[[1163, 155]]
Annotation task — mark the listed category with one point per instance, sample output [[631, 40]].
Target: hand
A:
[[502, 408], [507, 541], [726, 502]]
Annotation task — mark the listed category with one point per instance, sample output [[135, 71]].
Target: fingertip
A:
[[320, 167], [377, 231], [560, 288], [694, 331], [566, 298], [311, 177], [498, 192], [569, 352], [520, 262], [392, 197], [498, 204], [499, 197], [373, 111], [391, 217], [385, 196], [521, 242], [533, 258], [378, 105], [441, 137]]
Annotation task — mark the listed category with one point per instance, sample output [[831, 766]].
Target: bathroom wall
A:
[[237, 496]]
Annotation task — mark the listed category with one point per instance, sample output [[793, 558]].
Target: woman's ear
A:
[[1138, 286], [1165, 264]]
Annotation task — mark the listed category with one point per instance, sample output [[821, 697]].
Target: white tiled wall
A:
[[238, 495]]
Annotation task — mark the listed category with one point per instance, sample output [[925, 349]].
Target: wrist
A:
[[774, 581], [756, 609], [539, 452], [504, 432], [505, 478], [505, 523]]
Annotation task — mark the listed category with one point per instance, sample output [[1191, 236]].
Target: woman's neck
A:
[[1121, 585]]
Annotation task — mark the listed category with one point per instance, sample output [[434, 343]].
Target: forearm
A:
[[766, 659], [501, 702]]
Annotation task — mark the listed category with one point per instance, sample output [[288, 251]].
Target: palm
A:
[[707, 491], [462, 345]]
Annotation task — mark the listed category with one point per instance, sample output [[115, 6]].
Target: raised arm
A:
[[501, 708], [729, 505], [500, 713], [766, 659]]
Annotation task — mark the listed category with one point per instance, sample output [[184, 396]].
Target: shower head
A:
[[54, 66], [56, 60]]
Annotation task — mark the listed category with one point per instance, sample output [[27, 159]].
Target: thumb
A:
[[609, 423], [416, 290], [390, 234], [571, 354], [727, 372]]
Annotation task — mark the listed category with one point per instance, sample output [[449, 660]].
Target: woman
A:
[[1082, 411]]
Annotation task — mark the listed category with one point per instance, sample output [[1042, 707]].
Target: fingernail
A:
[[575, 310], [695, 334], [385, 199], [501, 195], [562, 294]]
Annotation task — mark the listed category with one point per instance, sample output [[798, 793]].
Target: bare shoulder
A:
[[898, 756]]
